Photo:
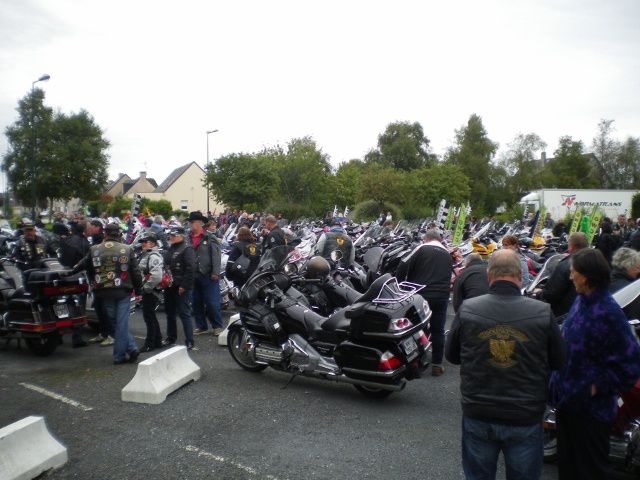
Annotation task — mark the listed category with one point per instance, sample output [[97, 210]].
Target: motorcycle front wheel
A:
[[237, 343], [43, 346], [373, 392]]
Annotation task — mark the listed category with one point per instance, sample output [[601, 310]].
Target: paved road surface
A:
[[233, 424]]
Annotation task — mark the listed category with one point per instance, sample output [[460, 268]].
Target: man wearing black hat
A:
[[114, 273], [181, 261], [206, 286], [31, 247]]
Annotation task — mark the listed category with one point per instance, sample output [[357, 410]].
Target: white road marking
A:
[[218, 458], [56, 396]]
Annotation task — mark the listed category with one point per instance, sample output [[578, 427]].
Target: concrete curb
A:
[[160, 375], [27, 449]]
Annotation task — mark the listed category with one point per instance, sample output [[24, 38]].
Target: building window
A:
[[184, 204]]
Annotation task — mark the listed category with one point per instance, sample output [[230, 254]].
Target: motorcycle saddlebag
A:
[[263, 324], [352, 355]]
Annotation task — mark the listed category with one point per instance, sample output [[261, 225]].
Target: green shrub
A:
[[370, 210]]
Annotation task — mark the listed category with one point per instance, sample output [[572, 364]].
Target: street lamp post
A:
[[34, 188], [207, 166]]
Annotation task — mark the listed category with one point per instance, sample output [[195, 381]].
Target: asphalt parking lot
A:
[[232, 424]]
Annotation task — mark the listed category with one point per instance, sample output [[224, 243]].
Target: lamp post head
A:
[[44, 78], [212, 131]]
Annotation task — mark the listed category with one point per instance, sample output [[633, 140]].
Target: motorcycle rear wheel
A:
[[373, 392], [550, 446], [236, 343], [43, 346]]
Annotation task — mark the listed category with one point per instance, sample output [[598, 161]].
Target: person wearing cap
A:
[[273, 235], [151, 264], [114, 274], [181, 261], [31, 248], [206, 286]]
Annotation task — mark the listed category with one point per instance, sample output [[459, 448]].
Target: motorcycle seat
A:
[[337, 321]]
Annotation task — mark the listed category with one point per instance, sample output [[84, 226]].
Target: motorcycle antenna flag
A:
[[135, 204], [346, 211], [335, 211]]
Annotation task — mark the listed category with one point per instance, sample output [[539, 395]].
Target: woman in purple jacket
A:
[[602, 360]]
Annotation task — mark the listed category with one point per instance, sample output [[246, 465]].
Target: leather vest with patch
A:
[[111, 261]]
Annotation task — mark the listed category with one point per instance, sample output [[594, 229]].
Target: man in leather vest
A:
[[336, 239], [273, 235], [506, 345], [114, 274], [181, 261], [206, 285], [31, 248]]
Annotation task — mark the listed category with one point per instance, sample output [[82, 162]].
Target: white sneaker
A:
[[217, 331], [107, 341], [96, 339]]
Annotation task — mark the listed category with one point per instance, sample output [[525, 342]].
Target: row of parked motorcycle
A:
[[310, 313]]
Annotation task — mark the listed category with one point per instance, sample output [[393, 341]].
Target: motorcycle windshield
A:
[[273, 260]]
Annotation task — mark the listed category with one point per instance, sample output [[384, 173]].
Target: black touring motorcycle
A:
[[376, 344], [40, 305]]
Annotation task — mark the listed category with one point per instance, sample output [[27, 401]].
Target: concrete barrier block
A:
[[27, 449], [222, 338], [160, 375]]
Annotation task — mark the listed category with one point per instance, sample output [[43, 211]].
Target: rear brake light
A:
[[64, 290], [399, 324], [388, 361], [421, 338]]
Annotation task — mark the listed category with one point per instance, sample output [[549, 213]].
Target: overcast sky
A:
[[157, 75]]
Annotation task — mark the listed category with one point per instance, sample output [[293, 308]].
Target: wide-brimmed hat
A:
[[197, 216], [176, 231]]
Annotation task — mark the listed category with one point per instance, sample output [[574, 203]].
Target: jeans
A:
[[154, 336], [180, 305], [117, 310], [483, 441], [206, 297], [438, 319], [105, 323]]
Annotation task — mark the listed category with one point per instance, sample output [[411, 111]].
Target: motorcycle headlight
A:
[[336, 255], [290, 268]]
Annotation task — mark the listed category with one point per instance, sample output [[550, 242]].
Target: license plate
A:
[[61, 311], [409, 345]]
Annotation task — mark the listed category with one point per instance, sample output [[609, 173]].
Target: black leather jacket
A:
[[506, 345], [181, 261], [472, 282], [559, 290]]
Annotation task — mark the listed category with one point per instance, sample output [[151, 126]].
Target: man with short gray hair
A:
[[506, 345]]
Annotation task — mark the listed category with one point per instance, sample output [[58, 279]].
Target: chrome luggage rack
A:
[[394, 292]]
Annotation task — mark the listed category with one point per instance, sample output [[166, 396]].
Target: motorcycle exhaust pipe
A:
[[365, 383]]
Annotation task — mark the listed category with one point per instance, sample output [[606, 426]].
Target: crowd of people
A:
[[514, 358]]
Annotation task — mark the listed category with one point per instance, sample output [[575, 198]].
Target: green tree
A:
[[570, 168], [64, 155], [79, 157], [428, 185], [629, 162], [242, 180], [382, 184], [403, 145], [305, 176], [472, 152], [607, 153], [522, 169], [347, 182]]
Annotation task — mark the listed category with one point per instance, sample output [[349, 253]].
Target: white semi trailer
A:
[[560, 201]]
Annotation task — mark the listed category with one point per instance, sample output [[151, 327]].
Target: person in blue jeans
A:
[[206, 287], [180, 259], [113, 270], [506, 345]]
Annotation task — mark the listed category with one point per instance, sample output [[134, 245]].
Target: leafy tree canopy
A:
[[403, 145]]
